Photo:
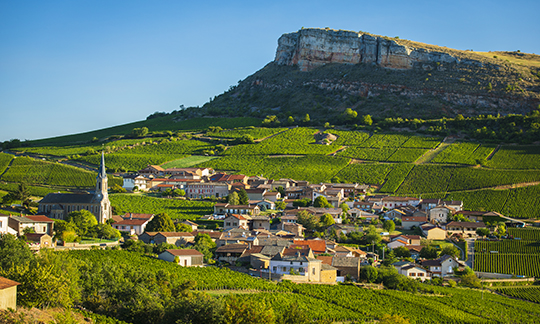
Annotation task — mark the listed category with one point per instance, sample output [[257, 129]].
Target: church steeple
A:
[[101, 180]]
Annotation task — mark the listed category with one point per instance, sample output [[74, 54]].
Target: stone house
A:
[[441, 267], [440, 214], [467, 229], [39, 223], [39, 241], [235, 221], [230, 253]]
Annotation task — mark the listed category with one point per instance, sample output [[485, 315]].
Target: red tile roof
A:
[[40, 218], [132, 222], [318, 246]]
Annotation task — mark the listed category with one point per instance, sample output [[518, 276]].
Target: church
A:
[[59, 205]]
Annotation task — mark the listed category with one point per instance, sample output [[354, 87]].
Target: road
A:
[[470, 253]]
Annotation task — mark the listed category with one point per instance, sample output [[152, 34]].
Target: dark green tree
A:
[[205, 245], [243, 198], [368, 273], [428, 252], [321, 202], [160, 223], [233, 199], [389, 226], [402, 252]]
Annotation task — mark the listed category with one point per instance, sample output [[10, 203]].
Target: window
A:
[[421, 274], [291, 263], [274, 269], [284, 269], [313, 270]]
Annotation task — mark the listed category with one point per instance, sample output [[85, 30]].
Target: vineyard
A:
[[464, 153], [33, 171], [256, 133], [175, 208], [341, 303], [5, 159], [516, 157], [527, 293], [519, 256]]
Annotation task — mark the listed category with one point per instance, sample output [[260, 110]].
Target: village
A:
[[281, 229]]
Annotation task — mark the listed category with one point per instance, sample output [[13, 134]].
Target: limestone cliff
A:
[[310, 48]]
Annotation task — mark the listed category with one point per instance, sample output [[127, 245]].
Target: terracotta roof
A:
[[185, 252], [6, 283], [414, 219], [139, 216], [416, 248], [136, 222], [325, 259], [237, 216], [295, 249], [318, 246], [175, 234], [34, 237], [40, 218]]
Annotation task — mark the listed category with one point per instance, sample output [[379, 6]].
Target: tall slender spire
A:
[[102, 172]]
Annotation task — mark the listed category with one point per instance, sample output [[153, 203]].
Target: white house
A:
[[300, 265], [441, 267], [4, 228], [186, 258]]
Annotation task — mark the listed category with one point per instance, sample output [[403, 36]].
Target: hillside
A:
[[323, 71]]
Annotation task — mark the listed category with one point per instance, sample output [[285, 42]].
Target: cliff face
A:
[[311, 48]]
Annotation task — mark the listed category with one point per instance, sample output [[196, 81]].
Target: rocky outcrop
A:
[[311, 48]]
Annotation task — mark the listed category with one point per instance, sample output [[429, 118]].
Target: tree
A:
[[451, 251], [402, 252], [305, 202], [178, 193], [483, 231], [13, 251], [344, 207], [290, 120], [309, 221], [105, 231], [500, 230], [232, 199], [240, 309], [306, 119], [281, 205], [9, 198], [349, 115], [389, 258], [389, 226], [326, 220], [22, 193], [246, 139], [369, 273], [321, 202], [366, 120], [160, 223], [181, 227], [139, 132], [83, 220], [428, 252], [243, 198], [118, 189], [205, 245], [281, 191]]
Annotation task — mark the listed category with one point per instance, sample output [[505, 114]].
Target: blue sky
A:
[[73, 66]]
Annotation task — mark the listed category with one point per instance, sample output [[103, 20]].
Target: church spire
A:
[[102, 172]]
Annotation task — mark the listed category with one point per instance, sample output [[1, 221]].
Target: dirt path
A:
[[431, 154], [267, 137], [493, 153], [9, 165], [337, 151]]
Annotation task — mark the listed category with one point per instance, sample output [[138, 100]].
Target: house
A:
[[235, 221], [334, 212], [301, 250], [432, 232], [8, 293], [397, 243], [411, 270], [408, 222], [440, 214], [349, 252], [154, 170], [259, 222], [299, 267], [225, 208], [344, 265], [317, 246], [186, 258], [230, 253], [357, 213], [132, 226], [391, 202], [395, 213], [38, 223], [255, 193], [59, 205], [428, 204], [349, 189], [272, 196], [4, 228], [295, 229], [39, 241], [130, 181], [475, 216], [441, 267], [194, 226], [176, 238], [409, 239], [263, 204], [467, 229], [206, 190], [237, 235]]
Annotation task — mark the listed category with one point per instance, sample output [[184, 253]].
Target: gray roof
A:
[[67, 198], [339, 261], [272, 250]]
